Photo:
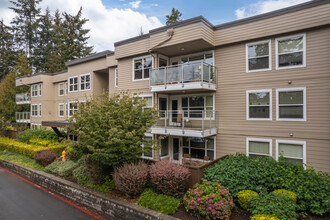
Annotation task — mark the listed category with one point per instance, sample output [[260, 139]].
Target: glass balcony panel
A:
[[174, 74]]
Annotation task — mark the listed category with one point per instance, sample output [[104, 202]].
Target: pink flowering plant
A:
[[210, 200]]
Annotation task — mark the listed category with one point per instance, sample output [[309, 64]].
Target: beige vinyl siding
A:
[[132, 49], [311, 17], [207, 33], [111, 61]]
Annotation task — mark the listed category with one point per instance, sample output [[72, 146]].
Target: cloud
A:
[[135, 4], [107, 25], [264, 7]]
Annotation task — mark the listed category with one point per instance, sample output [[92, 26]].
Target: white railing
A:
[[184, 73], [23, 117], [23, 98], [197, 120]]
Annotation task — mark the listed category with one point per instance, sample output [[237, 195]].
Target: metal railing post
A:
[[202, 73], [182, 75], [183, 123], [165, 77], [166, 121], [203, 120]]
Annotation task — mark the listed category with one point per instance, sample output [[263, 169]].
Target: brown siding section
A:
[[132, 49]]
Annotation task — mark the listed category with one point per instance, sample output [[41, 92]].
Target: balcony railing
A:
[[23, 117], [199, 75], [23, 98], [194, 123]]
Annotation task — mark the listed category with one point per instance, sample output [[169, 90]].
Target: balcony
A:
[[189, 76], [192, 123], [23, 117], [23, 98]]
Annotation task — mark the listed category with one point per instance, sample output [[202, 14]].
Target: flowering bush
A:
[[244, 198], [210, 200], [169, 178], [290, 194], [45, 157], [264, 217], [131, 179]]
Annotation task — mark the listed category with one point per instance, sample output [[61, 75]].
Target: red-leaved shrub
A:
[[169, 178], [45, 157], [132, 178]]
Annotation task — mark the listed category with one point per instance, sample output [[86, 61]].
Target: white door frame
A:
[[171, 149]]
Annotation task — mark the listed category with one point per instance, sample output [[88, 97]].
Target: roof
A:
[[271, 14], [90, 57]]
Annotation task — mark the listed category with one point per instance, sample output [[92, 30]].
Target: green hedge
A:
[[44, 134], [12, 145], [61, 168], [265, 174]]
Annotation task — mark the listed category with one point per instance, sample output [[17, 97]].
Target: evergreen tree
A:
[[7, 50], [25, 25], [174, 17]]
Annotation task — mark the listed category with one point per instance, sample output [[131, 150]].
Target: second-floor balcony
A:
[[23, 98], [23, 117], [187, 76], [189, 123]]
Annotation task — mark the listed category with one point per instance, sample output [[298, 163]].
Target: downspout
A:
[[170, 33]]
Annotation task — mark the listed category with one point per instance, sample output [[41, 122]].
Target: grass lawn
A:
[[20, 159]]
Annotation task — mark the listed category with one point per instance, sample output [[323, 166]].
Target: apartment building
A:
[[259, 85]]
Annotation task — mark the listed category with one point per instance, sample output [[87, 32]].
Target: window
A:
[[162, 106], [195, 106], [40, 110], [73, 107], [148, 150], [142, 67], [85, 82], [35, 126], [34, 90], [66, 109], [292, 151], [116, 77], [258, 56], [61, 89], [259, 104], [148, 99], [291, 104], [73, 84], [61, 110], [198, 148], [164, 147], [40, 89], [257, 147], [198, 58], [66, 88], [34, 110], [291, 51]]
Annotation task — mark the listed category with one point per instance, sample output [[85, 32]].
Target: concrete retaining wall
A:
[[108, 208]]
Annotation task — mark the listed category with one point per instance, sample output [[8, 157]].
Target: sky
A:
[[115, 20]]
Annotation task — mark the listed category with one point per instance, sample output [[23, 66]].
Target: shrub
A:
[[210, 200], [244, 198], [44, 134], [240, 172], [169, 178], [61, 168], [38, 141], [131, 179], [290, 194], [273, 204], [161, 203], [45, 157], [264, 217], [27, 149]]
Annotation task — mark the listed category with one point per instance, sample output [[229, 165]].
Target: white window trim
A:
[[303, 143], [270, 105], [40, 89], [59, 88], [147, 96], [304, 106], [90, 82], [133, 75], [196, 54], [269, 55], [66, 88], [59, 115], [32, 110], [69, 83], [69, 107], [304, 51], [116, 77], [152, 147], [270, 141], [34, 86], [38, 126], [40, 110]]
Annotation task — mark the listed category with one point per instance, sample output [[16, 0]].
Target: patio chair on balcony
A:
[[178, 121]]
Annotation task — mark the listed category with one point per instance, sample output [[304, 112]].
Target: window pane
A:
[[185, 151], [290, 45], [146, 73], [210, 143], [198, 58], [209, 58], [210, 153], [259, 98], [291, 112], [164, 147], [138, 64], [291, 97], [197, 153], [197, 143], [209, 101], [259, 112], [291, 150], [258, 63], [258, 50], [148, 152], [148, 101], [259, 147], [162, 62], [147, 62], [138, 74], [295, 161], [290, 59], [196, 101]]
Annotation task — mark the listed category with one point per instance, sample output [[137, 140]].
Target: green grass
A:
[[20, 159]]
